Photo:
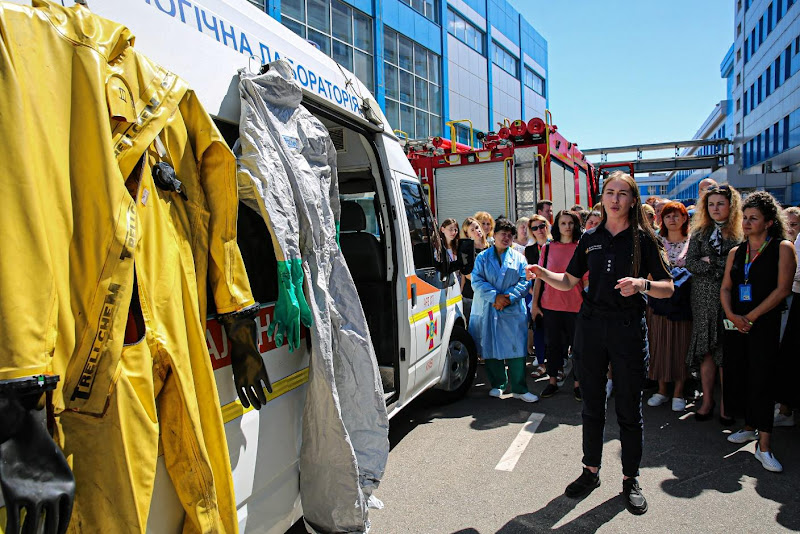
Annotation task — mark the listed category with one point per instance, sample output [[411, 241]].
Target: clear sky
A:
[[632, 71]]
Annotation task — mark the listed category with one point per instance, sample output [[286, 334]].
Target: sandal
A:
[[539, 372]]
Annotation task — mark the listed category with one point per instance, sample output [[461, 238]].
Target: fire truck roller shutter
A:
[[584, 188], [562, 183], [463, 190]]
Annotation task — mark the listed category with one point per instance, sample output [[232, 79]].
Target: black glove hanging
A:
[[249, 372], [34, 475]]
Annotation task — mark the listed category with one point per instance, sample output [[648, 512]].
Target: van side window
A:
[[425, 242]]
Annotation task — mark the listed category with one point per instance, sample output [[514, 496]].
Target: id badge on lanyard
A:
[[746, 289]]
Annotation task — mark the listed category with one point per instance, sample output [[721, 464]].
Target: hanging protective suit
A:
[[287, 171], [106, 285], [499, 334]]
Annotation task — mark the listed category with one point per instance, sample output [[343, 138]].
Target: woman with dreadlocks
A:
[[625, 261]]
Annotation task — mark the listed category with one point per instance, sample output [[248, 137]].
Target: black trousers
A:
[[750, 362], [559, 333], [621, 340]]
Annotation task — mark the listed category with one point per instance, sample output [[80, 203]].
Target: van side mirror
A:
[[465, 260]]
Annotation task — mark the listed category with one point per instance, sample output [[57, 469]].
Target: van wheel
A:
[[463, 361]]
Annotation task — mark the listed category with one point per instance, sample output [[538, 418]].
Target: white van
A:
[[414, 312]]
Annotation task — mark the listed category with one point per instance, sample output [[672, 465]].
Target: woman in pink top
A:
[[559, 308]]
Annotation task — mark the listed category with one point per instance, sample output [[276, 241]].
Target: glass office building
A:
[[430, 61]]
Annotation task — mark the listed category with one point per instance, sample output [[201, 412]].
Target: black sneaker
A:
[[577, 393], [549, 391], [634, 499], [583, 485]]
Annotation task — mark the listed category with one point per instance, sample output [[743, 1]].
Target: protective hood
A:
[[278, 87]]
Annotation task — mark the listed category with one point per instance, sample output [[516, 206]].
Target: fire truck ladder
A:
[[677, 163]]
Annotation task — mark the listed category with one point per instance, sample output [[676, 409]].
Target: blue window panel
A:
[[746, 50], [779, 11], [761, 31], [744, 108], [767, 146], [778, 72], [776, 138], [758, 90], [786, 133], [768, 81], [769, 19], [794, 193], [787, 62]]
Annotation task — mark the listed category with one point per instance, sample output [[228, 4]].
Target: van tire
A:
[[463, 344]]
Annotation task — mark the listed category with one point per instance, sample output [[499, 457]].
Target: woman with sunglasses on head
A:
[[558, 309], [539, 230], [619, 255], [758, 277], [471, 229], [716, 229]]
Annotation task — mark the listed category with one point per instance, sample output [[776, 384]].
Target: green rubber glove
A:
[[286, 318], [297, 280]]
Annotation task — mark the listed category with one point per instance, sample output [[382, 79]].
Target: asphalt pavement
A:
[[475, 467]]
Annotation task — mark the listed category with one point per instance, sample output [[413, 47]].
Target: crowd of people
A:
[[687, 297]]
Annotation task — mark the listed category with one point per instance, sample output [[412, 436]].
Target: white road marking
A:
[[512, 455]]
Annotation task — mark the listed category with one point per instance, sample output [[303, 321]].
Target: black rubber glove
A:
[[34, 475], [249, 372]]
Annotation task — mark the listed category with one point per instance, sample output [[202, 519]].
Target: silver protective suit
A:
[[287, 172]]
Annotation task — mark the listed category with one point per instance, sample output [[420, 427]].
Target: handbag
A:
[[678, 307]]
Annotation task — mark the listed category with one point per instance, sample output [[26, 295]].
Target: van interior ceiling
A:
[[365, 240]]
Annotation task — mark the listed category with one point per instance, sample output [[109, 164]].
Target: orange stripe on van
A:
[[423, 288]]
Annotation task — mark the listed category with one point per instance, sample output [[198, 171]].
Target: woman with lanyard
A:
[[758, 277], [539, 230], [619, 255]]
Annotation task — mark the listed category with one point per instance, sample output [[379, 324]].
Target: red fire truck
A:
[[514, 168]]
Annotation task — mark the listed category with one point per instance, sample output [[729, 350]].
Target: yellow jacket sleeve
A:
[[217, 174]]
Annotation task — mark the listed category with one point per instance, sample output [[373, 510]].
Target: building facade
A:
[[429, 62], [766, 92]]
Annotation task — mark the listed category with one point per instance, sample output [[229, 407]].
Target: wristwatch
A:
[[646, 287]]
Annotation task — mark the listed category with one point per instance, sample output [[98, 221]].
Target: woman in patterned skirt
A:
[[716, 229]]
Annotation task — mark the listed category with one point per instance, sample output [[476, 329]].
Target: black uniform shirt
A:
[[609, 258]]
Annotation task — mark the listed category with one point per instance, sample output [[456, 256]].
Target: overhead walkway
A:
[[679, 162]]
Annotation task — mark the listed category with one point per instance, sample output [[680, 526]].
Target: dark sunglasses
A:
[[539, 227]]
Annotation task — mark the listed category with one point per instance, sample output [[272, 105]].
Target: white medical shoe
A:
[[526, 397], [494, 392], [783, 420], [678, 404], [657, 400], [743, 436], [768, 460]]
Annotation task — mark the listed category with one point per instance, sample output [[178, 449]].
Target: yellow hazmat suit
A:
[[103, 274]]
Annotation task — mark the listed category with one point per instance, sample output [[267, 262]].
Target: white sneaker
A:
[[526, 397], [609, 388], [678, 404], [743, 436], [494, 392], [657, 400], [783, 420], [768, 460]]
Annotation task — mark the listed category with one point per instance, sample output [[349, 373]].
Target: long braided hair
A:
[[638, 221]]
